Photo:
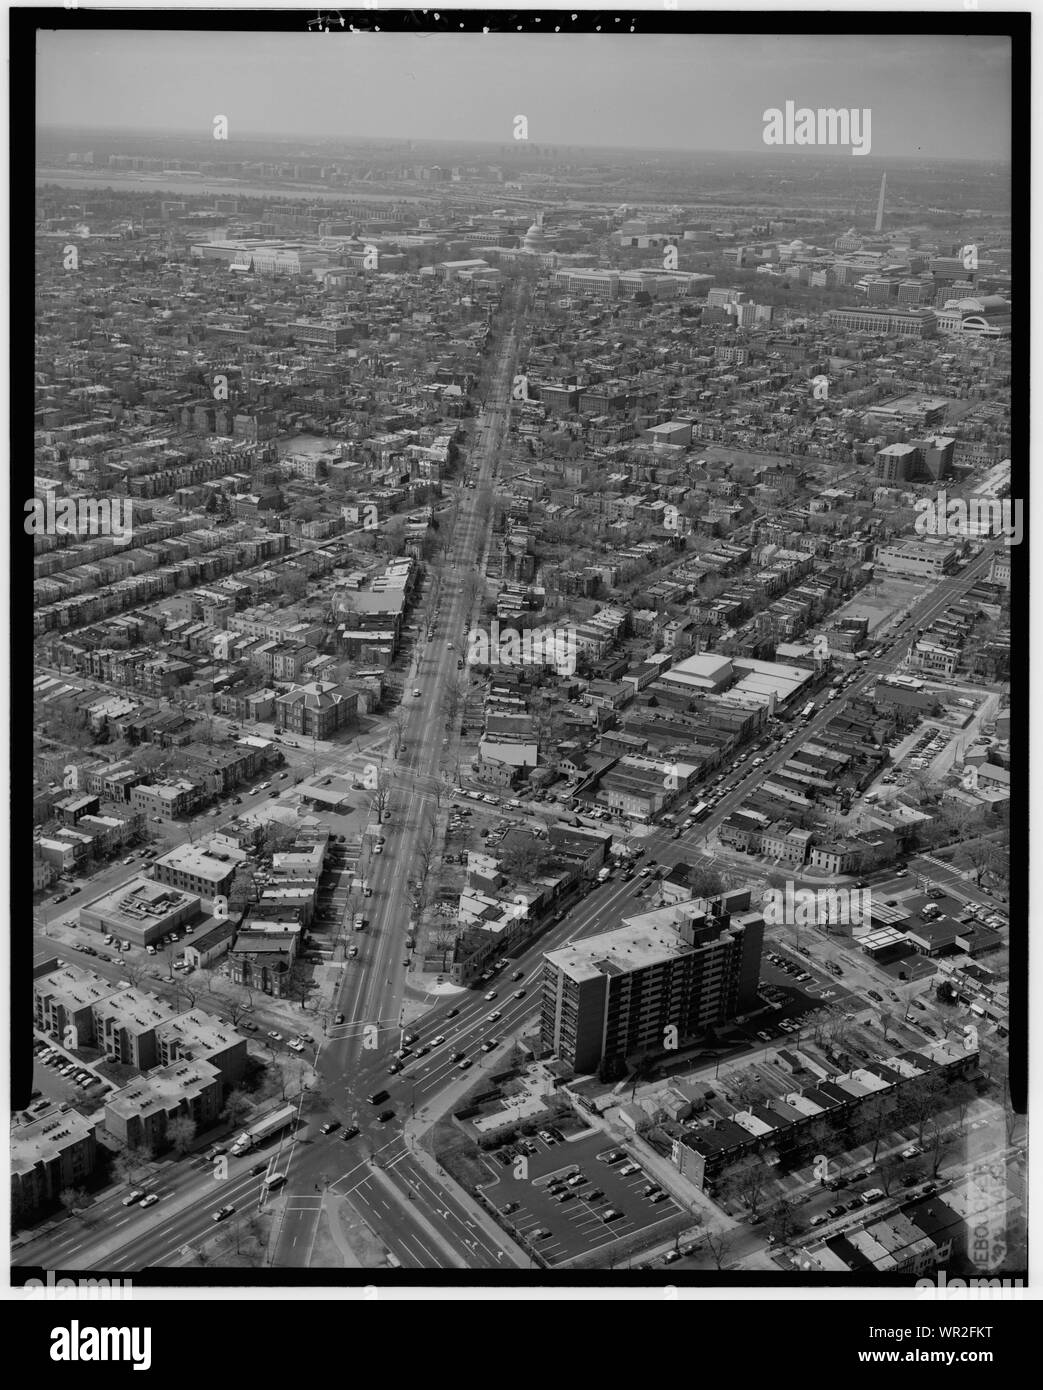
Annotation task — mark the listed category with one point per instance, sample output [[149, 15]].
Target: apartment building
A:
[[611, 997], [140, 1115], [65, 999], [200, 1037], [49, 1155]]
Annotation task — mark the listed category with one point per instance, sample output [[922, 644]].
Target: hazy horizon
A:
[[941, 97]]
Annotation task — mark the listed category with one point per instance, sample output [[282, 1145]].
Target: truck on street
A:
[[263, 1129]]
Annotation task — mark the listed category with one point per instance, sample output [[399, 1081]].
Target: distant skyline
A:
[[931, 96]]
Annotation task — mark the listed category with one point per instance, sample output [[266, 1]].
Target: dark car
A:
[[349, 1132], [386, 1115], [873, 995], [259, 1168], [452, 1013], [329, 1126], [377, 1097]]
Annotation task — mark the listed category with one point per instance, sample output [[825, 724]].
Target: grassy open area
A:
[[457, 1154]]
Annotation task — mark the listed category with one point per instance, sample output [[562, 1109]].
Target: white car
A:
[[491, 994]]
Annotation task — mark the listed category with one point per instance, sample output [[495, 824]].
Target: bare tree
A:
[[130, 1162], [134, 972], [939, 1143], [782, 1223], [443, 938], [181, 1132], [291, 1077], [381, 794], [887, 1171], [923, 1099], [747, 1181], [236, 1107], [243, 890], [455, 700], [234, 1004], [982, 857], [74, 1200], [718, 1246]]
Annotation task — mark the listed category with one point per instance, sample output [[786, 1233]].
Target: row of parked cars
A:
[[77, 1075]]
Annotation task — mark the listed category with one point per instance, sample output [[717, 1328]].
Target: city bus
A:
[[808, 710]]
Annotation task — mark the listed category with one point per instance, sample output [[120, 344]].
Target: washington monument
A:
[[880, 204]]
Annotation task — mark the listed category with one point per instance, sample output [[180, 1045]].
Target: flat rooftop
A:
[[140, 903]]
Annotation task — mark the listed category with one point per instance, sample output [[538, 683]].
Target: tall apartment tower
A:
[[611, 997], [880, 204]]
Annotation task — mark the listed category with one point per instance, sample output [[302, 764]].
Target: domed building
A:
[[534, 243]]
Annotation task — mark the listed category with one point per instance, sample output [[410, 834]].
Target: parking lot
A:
[[80, 1086], [562, 1219], [799, 999]]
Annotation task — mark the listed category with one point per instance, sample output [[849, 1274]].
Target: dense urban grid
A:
[[521, 734]]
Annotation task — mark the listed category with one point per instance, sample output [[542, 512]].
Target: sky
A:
[[937, 96]]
